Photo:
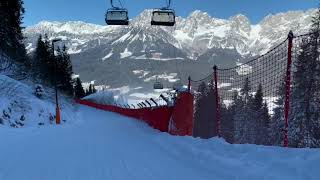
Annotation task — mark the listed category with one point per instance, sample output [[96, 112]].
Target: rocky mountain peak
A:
[[241, 24], [194, 34], [143, 18]]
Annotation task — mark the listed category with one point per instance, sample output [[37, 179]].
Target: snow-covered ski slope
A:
[[106, 146]]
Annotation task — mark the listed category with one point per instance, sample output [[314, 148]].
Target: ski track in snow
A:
[[103, 145]]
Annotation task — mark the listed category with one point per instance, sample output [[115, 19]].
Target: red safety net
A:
[[182, 117], [157, 115], [253, 102]]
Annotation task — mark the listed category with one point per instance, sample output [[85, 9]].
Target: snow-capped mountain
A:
[[195, 43]]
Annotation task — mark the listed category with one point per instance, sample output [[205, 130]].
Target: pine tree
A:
[[38, 58], [276, 129], [44, 61], [41, 61], [244, 130], [64, 70], [258, 99], [236, 111], [304, 123], [94, 90], [210, 112], [199, 115], [11, 37], [49, 67], [245, 91], [90, 89], [260, 118], [265, 125], [227, 122], [78, 89], [86, 91]]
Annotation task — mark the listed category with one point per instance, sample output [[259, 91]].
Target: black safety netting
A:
[[251, 97]]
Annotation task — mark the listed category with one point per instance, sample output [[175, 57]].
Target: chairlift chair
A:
[[117, 16], [164, 16], [157, 85]]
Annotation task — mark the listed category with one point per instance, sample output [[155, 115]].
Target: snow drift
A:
[[19, 106]]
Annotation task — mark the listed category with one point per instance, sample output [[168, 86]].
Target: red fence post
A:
[[189, 84], [217, 100], [287, 89]]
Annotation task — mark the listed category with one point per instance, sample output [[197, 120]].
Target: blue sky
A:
[[93, 10]]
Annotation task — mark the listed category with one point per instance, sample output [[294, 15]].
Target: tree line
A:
[[54, 65], [245, 120], [304, 114], [11, 37], [248, 119], [45, 65]]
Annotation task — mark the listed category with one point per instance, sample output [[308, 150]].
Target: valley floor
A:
[[102, 145]]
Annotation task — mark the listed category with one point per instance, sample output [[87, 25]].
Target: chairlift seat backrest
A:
[[117, 16], [163, 17], [158, 85]]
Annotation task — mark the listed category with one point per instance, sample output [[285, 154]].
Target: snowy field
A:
[[101, 145]]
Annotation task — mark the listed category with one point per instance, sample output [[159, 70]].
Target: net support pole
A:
[[217, 99], [189, 84], [287, 88]]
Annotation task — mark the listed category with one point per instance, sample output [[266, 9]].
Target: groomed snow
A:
[[104, 145]]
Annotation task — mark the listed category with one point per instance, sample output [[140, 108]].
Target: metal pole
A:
[[217, 103], [154, 101], [55, 86], [144, 105], [287, 89], [148, 103], [111, 2], [189, 84]]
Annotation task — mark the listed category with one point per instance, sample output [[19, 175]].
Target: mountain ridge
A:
[[199, 27], [190, 48]]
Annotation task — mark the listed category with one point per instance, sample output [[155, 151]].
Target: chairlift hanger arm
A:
[[116, 7], [111, 2], [168, 4]]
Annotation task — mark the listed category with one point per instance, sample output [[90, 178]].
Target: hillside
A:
[[21, 108]]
